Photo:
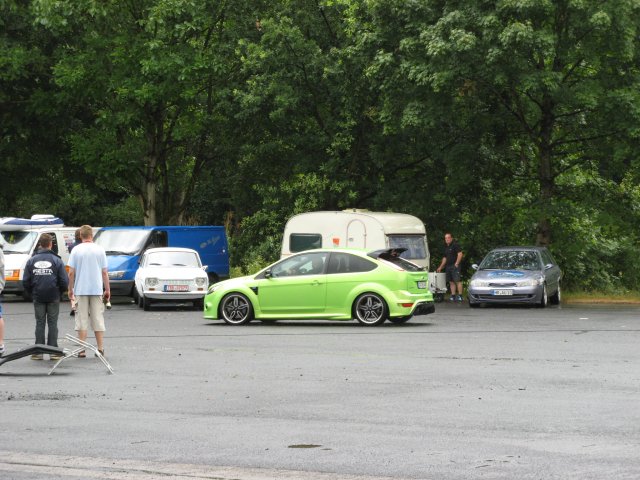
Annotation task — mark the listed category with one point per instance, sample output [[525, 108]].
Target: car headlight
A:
[[151, 282], [116, 274], [201, 282], [531, 282], [213, 288], [479, 283]]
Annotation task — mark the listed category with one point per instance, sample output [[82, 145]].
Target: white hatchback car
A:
[[170, 274]]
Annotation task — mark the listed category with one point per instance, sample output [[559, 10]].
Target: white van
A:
[[19, 239], [355, 228]]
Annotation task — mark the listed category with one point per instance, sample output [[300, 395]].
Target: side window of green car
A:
[[346, 263]]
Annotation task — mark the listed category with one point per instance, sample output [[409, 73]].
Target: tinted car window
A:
[[546, 257], [346, 263], [305, 264], [298, 242]]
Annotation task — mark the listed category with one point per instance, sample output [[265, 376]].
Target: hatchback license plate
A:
[[176, 288], [503, 292], [422, 284]]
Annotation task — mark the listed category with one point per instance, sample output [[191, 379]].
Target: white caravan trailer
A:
[[357, 229]]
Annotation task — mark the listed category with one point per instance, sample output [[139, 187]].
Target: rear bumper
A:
[[13, 287], [424, 308]]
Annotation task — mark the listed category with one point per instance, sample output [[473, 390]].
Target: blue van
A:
[[125, 245]]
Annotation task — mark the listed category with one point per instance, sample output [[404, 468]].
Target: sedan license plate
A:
[[422, 284], [176, 288], [503, 292]]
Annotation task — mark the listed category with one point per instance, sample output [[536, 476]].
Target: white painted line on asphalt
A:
[[60, 466]]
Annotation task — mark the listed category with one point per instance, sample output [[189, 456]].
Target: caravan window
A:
[[299, 242], [415, 245]]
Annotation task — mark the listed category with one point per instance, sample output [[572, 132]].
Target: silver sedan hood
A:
[[505, 276]]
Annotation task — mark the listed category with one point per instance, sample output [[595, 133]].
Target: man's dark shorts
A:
[[453, 273]]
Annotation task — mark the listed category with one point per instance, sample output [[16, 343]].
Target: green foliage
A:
[[510, 122]]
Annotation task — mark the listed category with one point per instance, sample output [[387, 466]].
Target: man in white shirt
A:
[[88, 286]]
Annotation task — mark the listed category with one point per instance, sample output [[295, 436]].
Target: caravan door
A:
[[356, 234]]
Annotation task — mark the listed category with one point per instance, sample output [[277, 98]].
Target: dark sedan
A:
[[516, 275]]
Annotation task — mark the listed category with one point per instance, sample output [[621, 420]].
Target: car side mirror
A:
[[475, 266], [204, 267], [548, 266], [267, 274]]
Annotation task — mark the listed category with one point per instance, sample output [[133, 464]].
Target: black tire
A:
[[146, 304], [544, 300], [370, 309], [136, 296], [236, 309], [474, 304], [140, 302], [556, 298], [398, 320]]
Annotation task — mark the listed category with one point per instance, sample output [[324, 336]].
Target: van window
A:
[[17, 241], [415, 245], [54, 242], [299, 242], [122, 241]]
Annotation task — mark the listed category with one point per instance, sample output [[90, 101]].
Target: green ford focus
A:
[[335, 284]]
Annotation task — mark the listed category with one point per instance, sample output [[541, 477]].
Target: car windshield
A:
[[172, 259], [511, 260], [416, 245], [122, 242], [17, 241]]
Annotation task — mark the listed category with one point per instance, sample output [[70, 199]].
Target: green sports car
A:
[[336, 284]]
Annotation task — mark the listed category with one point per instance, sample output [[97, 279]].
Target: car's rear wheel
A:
[[556, 298], [400, 319], [236, 309], [370, 309], [544, 299]]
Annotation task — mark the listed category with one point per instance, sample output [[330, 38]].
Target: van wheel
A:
[[370, 309], [236, 309]]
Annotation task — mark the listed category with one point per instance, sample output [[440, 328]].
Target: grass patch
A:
[[601, 297]]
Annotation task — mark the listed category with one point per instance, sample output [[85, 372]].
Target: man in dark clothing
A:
[[451, 263], [45, 279], [77, 240]]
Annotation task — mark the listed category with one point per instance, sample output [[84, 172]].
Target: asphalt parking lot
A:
[[498, 393]]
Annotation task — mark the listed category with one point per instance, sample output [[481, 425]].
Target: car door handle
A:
[[315, 283]]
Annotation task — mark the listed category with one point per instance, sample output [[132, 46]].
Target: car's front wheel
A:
[[236, 309], [370, 309], [146, 303], [556, 298], [544, 298]]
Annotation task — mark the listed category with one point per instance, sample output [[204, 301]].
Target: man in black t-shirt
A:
[[451, 264]]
